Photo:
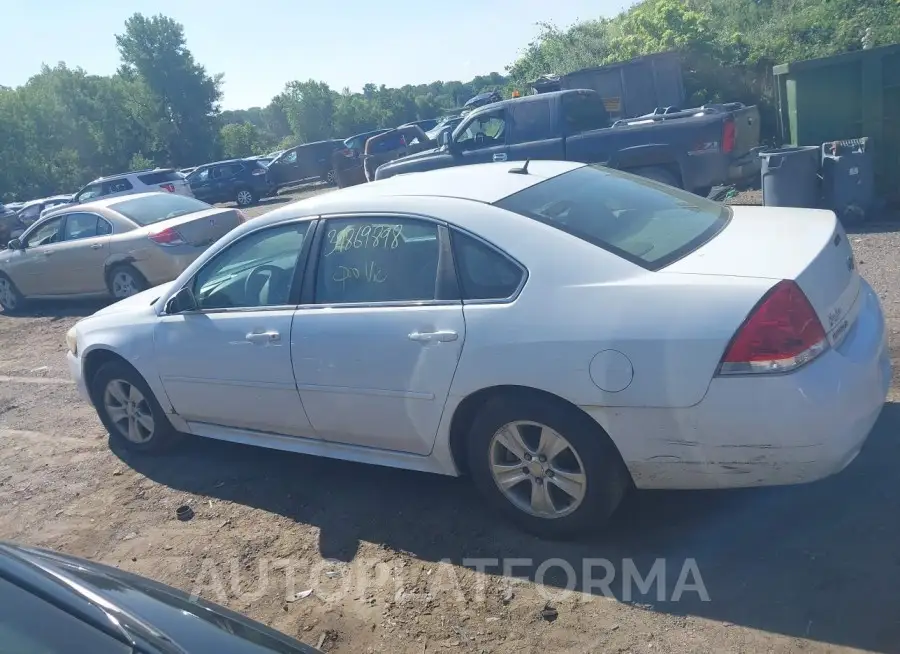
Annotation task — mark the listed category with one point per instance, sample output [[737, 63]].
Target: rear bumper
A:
[[750, 431]]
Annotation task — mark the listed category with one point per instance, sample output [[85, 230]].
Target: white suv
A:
[[139, 181]]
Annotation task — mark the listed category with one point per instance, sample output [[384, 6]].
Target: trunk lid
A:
[[808, 246], [201, 228]]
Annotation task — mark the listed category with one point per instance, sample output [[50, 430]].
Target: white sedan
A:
[[559, 332]]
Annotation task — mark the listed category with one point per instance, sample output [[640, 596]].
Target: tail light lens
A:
[[728, 136], [781, 334], [168, 187], [167, 237]]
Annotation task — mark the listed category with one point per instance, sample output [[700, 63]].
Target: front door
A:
[[29, 267], [228, 362], [78, 261], [201, 184], [376, 346], [484, 139]]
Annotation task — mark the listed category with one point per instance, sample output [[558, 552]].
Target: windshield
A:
[[157, 207], [645, 222]]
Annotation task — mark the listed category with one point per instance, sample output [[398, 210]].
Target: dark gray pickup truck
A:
[[694, 149]]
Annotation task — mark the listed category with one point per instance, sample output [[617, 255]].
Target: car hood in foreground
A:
[[148, 610]]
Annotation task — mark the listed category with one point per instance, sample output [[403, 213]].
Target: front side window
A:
[[289, 158], [378, 259], [485, 131], [84, 225], [256, 271], [645, 222], [202, 176], [483, 272], [44, 234]]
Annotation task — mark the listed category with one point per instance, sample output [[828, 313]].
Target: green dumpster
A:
[[846, 96]]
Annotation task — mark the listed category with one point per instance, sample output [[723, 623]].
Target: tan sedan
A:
[[114, 247]]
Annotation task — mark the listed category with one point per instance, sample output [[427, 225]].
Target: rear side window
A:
[[531, 120], [483, 272], [116, 186], [160, 177], [645, 222], [153, 208], [583, 112]]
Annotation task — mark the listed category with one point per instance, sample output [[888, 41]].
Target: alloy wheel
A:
[[124, 285], [244, 198], [329, 176], [537, 469], [129, 411], [8, 297]]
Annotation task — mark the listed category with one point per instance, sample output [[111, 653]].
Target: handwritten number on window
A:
[[386, 237]]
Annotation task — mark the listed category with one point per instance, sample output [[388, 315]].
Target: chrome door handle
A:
[[47, 253], [439, 336], [264, 337], [96, 246], [500, 156]]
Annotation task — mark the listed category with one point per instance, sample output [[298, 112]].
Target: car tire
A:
[[245, 197], [330, 177], [124, 280], [11, 300], [657, 174], [582, 450], [129, 410]]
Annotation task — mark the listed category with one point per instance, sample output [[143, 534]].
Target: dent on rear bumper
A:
[[750, 431]]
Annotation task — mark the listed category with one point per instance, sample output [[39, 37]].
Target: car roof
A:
[[486, 183], [130, 172]]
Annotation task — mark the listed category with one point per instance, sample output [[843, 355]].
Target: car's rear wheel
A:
[[330, 177], [124, 281], [245, 197], [10, 298], [548, 467], [129, 410]]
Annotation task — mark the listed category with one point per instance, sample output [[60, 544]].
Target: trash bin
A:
[[848, 178], [790, 177]]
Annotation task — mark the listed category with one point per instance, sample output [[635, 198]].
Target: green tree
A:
[[182, 101], [309, 108], [240, 140]]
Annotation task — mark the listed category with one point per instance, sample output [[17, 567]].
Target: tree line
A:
[[64, 126]]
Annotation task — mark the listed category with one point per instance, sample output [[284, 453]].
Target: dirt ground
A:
[[392, 557]]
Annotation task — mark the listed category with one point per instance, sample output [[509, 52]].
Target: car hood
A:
[[138, 301], [143, 607]]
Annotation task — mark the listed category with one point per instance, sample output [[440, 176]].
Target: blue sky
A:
[[261, 44]]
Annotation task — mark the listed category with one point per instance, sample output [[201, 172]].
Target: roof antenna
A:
[[521, 171]]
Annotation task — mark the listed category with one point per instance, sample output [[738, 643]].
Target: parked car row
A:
[[115, 247]]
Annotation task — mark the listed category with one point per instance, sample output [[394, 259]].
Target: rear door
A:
[[201, 184], [484, 138], [377, 342], [582, 114], [77, 262], [535, 133]]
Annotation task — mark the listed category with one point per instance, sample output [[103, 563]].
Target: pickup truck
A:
[[694, 149]]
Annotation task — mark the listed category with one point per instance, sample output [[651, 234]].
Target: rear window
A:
[[150, 209], [160, 177], [645, 222]]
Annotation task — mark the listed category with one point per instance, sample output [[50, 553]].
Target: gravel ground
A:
[[391, 556]]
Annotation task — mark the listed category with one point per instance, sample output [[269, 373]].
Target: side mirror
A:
[[15, 244], [182, 301]]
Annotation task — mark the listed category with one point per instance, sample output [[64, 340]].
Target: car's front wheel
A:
[[129, 410], [10, 298], [548, 467], [245, 197], [330, 177]]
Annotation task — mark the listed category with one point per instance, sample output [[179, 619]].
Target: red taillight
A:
[[782, 333], [728, 136], [168, 187], [167, 237]]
